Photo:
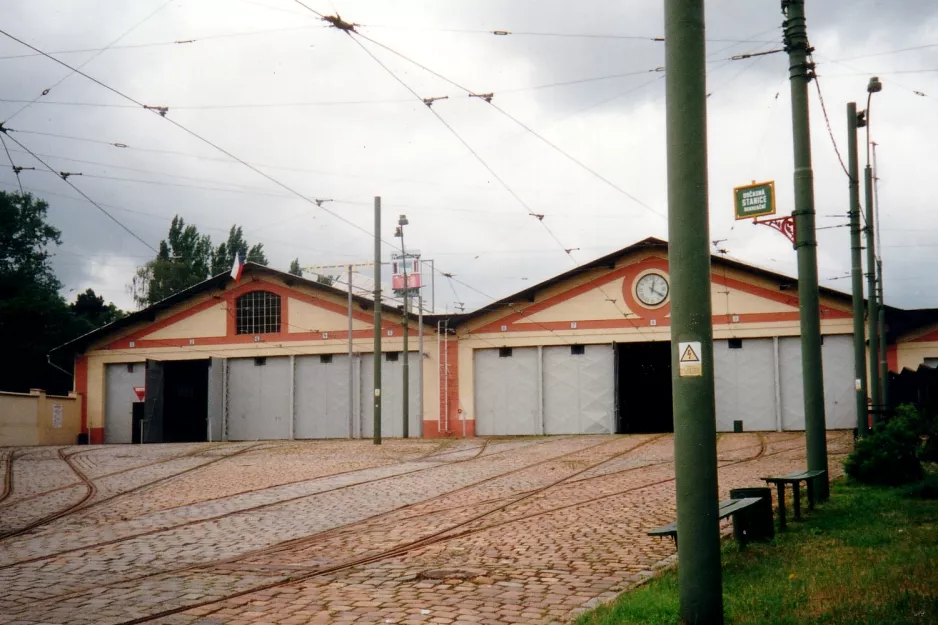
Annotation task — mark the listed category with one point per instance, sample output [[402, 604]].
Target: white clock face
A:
[[652, 289]]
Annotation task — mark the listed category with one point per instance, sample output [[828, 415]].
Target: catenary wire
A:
[[84, 195], [87, 61]]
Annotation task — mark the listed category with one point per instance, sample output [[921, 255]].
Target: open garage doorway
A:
[[176, 408], [643, 388]]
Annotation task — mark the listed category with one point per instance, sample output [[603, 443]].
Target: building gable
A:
[[607, 300]]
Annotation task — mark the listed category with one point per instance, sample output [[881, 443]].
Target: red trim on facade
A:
[[81, 387], [660, 315], [449, 392], [228, 297], [927, 338], [892, 358], [96, 436]]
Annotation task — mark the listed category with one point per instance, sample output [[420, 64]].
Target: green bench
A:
[[728, 507], [795, 479]]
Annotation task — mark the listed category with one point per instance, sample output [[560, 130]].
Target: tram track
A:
[[91, 490], [442, 535]]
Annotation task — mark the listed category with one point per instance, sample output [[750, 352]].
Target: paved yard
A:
[[523, 530]]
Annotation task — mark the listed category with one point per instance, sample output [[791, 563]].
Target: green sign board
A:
[[755, 200]]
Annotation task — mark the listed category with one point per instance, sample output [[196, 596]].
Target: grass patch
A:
[[869, 555]]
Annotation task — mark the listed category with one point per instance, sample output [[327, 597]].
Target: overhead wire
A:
[[181, 127], [16, 169], [87, 61], [488, 100], [85, 195], [459, 137]]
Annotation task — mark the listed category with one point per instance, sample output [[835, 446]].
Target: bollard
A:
[[757, 522]]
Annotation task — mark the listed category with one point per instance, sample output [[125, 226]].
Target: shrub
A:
[[890, 454], [926, 489]]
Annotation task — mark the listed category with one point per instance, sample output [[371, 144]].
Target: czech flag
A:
[[237, 267]]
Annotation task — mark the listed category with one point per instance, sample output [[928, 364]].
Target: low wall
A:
[[35, 418]]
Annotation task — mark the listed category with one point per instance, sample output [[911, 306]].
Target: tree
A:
[[34, 318], [186, 258], [183, 260], [90, 309], [224, 255], [295, 268]]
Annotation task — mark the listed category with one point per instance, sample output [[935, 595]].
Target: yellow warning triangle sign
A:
[[689, 355]]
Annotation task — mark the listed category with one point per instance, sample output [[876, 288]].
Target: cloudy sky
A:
[[275, 86]]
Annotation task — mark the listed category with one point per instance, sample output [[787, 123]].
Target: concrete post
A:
[[856, 270], [700, 575]]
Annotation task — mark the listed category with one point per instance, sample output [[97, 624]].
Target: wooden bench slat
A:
[[727, 508]]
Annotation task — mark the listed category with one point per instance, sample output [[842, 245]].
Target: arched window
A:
[[258, 312]]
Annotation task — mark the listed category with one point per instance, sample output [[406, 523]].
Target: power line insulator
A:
[[501, 33], [338, 22], [485, 96]]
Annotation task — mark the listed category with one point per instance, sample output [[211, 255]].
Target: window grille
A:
[[258, 312], [325, 359], [577, 350], [391, 356], [504, 352], [735, 343]]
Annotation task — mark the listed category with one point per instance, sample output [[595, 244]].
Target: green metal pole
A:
[[800, 73], [700, 575], [856, 269], [883, 355], [406, 390], [377, 323], [872, 319]]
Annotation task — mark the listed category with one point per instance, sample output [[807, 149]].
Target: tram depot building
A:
[[588, 351]]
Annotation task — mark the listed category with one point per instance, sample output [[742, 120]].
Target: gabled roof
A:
[[149, 313], [609, 261]]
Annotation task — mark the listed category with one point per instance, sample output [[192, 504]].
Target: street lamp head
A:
[[402, 220], [399, 232], [875, 86]]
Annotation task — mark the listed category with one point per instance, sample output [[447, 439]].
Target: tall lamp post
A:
[[401, 222], [874, 86], [856, 270]]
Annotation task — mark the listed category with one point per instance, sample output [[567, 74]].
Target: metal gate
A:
[[321, 401], [839, 388], [579, 389], [744, 384], [259, 398], [216, 399], [120, 380], [506, 391], [392, 398], [153, 403]]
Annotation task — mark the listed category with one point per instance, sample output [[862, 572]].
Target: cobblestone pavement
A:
[[524, 530]]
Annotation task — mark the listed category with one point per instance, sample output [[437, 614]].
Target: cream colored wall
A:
[[210, 322], [305, 317], [26, 419], [18, 419], [726, 300], [469, 343], [97, 360], [593, 305], [912, 354]]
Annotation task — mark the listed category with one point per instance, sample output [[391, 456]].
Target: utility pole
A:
[[801, 71], [873, 305], [420, 352], [700, 574], [377, 322], [883, 354], [401, 222], [856, 270], [351, 365]]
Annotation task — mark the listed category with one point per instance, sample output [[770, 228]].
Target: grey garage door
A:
[[506, 391], [120, 380], [579, 389], [259, 399], [744, 384], [392, 397], [322, 397], [839, 407]]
